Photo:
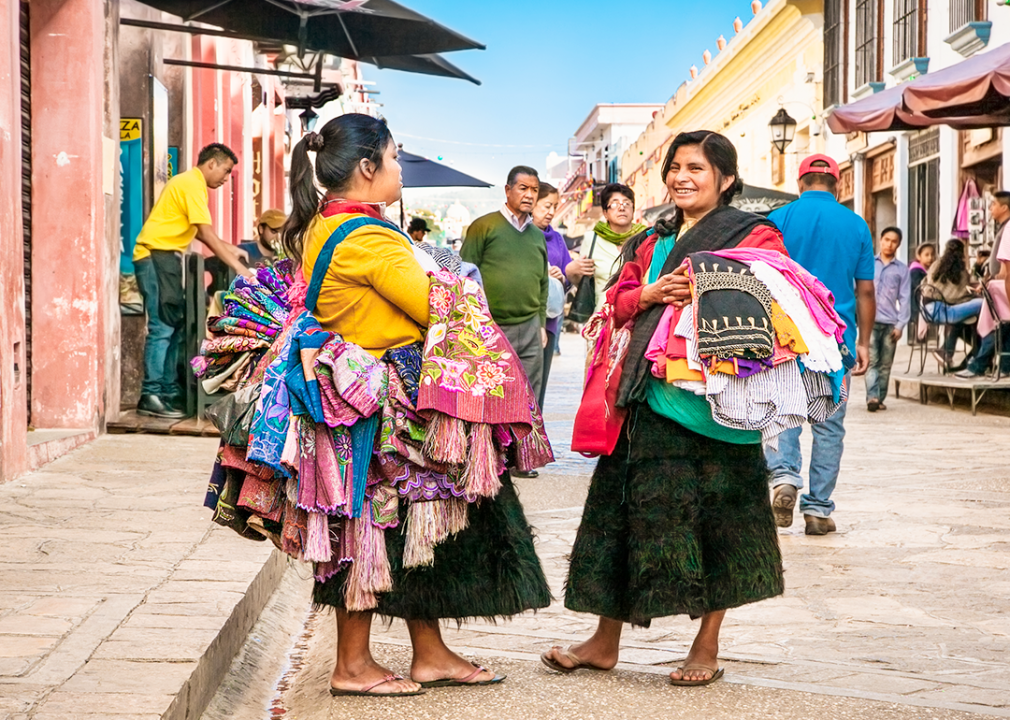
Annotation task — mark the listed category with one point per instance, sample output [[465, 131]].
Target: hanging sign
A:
[[131, 176]]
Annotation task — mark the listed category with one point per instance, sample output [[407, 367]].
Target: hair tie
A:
[[314, 141]]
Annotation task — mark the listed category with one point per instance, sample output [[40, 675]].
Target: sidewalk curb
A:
[[198, 690]]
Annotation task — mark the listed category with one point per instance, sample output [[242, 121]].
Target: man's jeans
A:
[[981, 363], [161, 348], [825, 459], [878, 376]]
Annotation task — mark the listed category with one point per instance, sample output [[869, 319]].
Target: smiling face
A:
[[694, 184], [543, 211], [521, 196]]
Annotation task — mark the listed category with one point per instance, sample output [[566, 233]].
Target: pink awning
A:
[[973, 93], [979, 85]]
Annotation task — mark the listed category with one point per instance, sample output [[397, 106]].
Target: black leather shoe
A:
[[524, 473], [153, 406]]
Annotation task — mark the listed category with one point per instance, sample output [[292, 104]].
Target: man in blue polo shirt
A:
[[835, 245]]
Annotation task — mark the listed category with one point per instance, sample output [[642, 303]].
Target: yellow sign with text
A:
[[130, 129]]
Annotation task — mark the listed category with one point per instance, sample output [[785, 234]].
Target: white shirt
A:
[[514, 219]]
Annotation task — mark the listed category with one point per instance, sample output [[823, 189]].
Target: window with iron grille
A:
[[924, 187], [963, 12], [868, 41], [909, 29], [833, 28]]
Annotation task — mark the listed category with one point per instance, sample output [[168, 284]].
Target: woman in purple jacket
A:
[[562, 267]]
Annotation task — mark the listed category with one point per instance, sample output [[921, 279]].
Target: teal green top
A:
[[683, 406]]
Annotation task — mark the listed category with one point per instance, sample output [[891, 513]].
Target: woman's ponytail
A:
[[339, 147], [304, 199]]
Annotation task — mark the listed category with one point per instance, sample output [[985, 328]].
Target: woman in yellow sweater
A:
[[375, 295]]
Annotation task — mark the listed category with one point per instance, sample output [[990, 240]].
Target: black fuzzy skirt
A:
[[488, 570], [675, 523]]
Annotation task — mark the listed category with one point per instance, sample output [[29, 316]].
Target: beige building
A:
[[772, 62]]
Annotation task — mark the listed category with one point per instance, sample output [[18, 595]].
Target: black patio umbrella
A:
[[428, 64], [419, 172], [752, 199], [355, 29]]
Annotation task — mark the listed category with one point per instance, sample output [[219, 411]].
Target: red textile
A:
[[336, 206]]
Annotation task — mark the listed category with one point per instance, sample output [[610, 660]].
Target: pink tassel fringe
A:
[[429, 523], [445, 439], [370, 572], [481, 478], [317, 544]]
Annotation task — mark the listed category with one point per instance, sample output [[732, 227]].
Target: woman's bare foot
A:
[[702, 662], [370, 674], [444, 664], [588, 654], [600, 652]]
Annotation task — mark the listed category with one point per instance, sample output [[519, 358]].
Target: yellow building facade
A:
[[774, 61]]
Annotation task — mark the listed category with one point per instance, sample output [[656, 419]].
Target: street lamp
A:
[[783, 128], [310, 116]]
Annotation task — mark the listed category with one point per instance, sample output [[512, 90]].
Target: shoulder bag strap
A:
[[326, 255]]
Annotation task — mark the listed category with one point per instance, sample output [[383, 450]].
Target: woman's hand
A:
[[555, 272], [670, 289], [579, 267]]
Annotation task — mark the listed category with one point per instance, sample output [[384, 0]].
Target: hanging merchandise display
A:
[[325, 443]]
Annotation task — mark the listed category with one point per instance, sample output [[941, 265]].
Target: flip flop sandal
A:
[[468, 680], [716, 674], [579, 665], [367, 692]]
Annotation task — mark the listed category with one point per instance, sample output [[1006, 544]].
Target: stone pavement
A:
[[903, 613], [118, 598]]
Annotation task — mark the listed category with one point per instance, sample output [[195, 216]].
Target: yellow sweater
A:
[[375, 293]]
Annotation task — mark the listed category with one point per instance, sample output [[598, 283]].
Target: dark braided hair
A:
[[339, 147], [720, 154]]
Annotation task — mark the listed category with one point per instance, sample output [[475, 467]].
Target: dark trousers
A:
[[161, 348], [525, 340], [552, 343]]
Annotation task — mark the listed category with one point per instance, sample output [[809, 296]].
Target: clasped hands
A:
[[671, 289]]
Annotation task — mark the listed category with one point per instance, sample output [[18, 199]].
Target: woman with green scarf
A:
[[603, 242]]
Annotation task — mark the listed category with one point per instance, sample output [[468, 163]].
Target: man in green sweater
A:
[[511, 253]]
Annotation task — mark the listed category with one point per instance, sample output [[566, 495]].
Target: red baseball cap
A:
[[807, 166]]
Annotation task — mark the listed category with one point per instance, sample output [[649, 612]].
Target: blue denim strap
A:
[[326, 254]]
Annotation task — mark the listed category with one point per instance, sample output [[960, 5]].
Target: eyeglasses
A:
[[620, 205]]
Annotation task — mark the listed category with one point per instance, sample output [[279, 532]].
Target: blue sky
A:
[[546, 64]]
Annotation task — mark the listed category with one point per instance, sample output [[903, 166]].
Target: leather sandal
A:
[[567, 652]]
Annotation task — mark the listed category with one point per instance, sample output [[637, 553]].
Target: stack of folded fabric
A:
[[340, 440], [254, 313], [760, 340]]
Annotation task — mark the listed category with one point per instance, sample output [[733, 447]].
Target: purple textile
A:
[[747, 367], [559, 257]]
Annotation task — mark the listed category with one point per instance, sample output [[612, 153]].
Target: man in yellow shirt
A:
[[179, 215]]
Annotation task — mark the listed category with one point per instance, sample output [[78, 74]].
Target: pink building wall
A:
[[68, 220], [74, 251], [13, 401]]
